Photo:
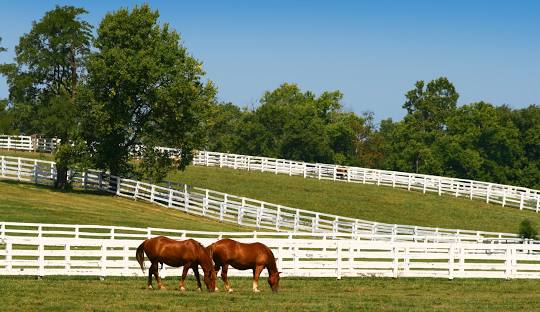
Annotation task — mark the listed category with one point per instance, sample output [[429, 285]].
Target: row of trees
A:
[[475, 141], [134, 83]]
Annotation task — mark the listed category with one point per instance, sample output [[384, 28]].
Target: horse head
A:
[[273, 280], [210, 279]]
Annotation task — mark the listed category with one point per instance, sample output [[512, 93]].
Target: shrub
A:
[[527, 229]]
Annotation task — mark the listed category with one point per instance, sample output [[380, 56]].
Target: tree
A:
[[290, 124], [43, 81], [224, 126], [143, 88], [428, 108]]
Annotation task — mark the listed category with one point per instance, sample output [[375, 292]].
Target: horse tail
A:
[[140, 255]]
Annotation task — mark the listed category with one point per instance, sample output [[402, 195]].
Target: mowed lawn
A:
[[368, 202], [23, 202], [296, 294]]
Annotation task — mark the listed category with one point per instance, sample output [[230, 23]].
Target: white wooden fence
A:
[[295, 257], [28, 143], [230, 208], [505, 195]]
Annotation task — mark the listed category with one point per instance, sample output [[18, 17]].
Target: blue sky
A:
[[372, 51]]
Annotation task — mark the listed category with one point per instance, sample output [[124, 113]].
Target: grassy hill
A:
[[21, 202], [369, 202]]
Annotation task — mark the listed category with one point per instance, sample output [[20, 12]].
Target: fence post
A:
[[118, 182], [488, 192], [67, 258], [338, 259], [2, 230], [103, 262], [241, 211], [220, 160], [319, 171], [334, 173], [504, 197], [290, 168], [126, 260], [2, 165], [8, 142], [451, 262], [537, 202], [508, 263], [248, 162], [259, 215], [41, 259], [278, 217], [395, 261], [315, 223], [221, 211], [186, 198], [521, 201], [305, 169], [296, 220], [19, 169], [472, 189], [440, 187], [35, 172], [152, 193], [425, 185], [170, 201], [205, 203], [9, 257]]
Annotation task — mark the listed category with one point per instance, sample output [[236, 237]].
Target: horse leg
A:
[[196, 272], [155, 267], [225, 279], [216, 268], [150, 272], [256, 273], [183, 278]]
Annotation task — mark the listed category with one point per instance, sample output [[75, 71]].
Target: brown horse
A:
[[188, 253], [241, 256]]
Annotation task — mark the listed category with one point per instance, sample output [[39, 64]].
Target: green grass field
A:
[[22, 202], [296, 294], [368, 202]]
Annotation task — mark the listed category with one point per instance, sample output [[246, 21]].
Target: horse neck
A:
[[271, 265], [205, 261]]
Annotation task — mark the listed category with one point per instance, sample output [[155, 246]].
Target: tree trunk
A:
[[61, 178]]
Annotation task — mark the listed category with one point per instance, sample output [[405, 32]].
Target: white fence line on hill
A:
[[505, 195], [228, 208], [28, 143], [295, 257], [38, 230]]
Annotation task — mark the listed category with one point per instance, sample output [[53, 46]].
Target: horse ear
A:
[[278, 273]]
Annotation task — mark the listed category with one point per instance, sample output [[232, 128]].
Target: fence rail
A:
[[505, 195], [230, 208], [295, 257], [28, 143]]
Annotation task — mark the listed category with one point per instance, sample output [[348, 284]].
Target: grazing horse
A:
[[241, 256], [188, 253]]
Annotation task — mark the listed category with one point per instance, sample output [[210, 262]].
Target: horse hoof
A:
[[230, 290], [216, 289], [149, 287], [182, 289], [255, 290], [199, 289]]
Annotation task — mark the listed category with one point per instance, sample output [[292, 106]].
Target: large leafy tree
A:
[[143, 88], [43, 81], [428, 108]]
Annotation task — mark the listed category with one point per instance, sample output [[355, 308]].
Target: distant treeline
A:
[[477, 141], [134, 83]]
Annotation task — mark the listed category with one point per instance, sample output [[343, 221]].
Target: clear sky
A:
[[373, 51]]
